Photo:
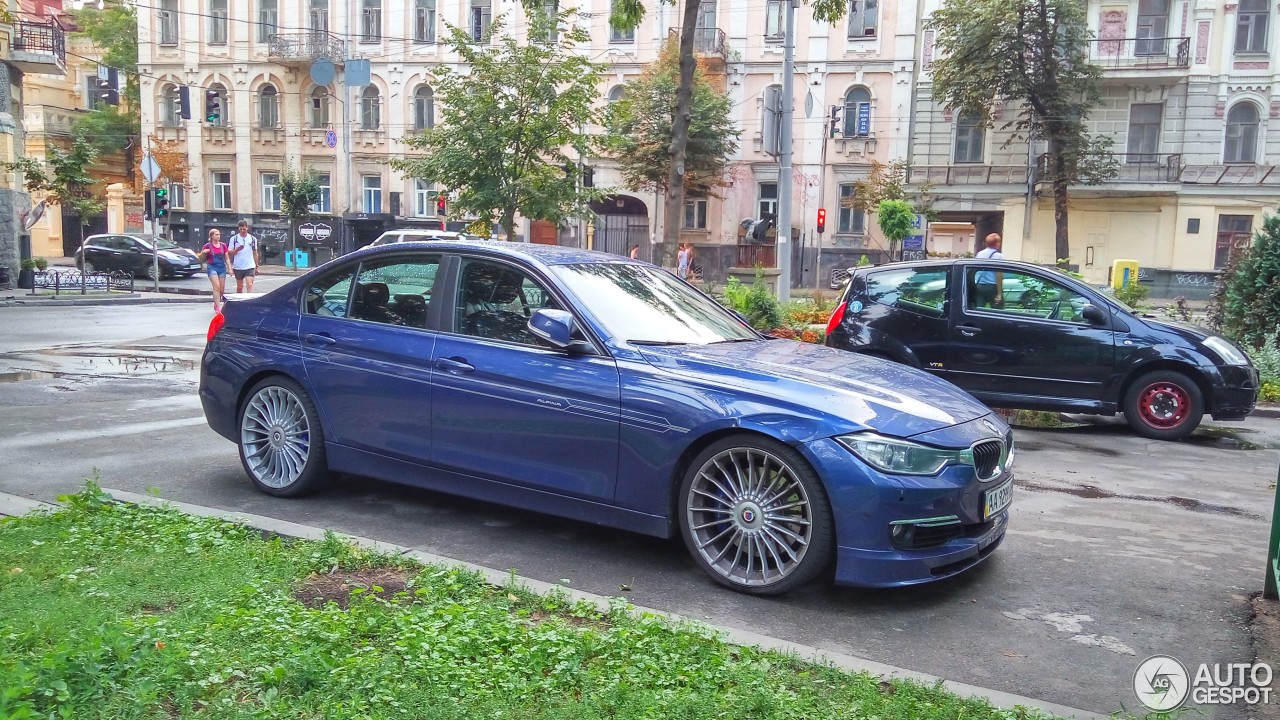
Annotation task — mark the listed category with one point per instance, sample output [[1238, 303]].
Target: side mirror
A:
[[1093, 315], [556, 327]]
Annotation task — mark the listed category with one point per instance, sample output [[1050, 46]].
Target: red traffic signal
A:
[[822, 219], [440, 205]]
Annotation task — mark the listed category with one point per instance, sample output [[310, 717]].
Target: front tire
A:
[[1164, 405], [755, 517], [281, 443]]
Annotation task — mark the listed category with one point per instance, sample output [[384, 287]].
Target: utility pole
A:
[[784, 155]]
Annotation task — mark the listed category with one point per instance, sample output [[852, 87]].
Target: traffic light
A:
[[148, 207], [212, 106], [835, 120], [184, 102], [440, 205], [588, 176], [822, 220], [161, 204]]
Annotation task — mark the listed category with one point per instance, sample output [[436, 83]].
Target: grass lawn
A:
[[121, 611]]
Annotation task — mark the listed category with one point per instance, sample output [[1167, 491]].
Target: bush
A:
[[1133, 294], [1246, 302], [754, 302]]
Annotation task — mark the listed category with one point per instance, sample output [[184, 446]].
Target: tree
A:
[[1247, 302], [62, 180], [507, 123], [640, 126], [897, 218], [888, 183], [114, 30], [299, 190], [1033, 53]]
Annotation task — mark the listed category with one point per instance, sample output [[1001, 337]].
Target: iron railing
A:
[[67, 280], [306, 45], [41, 37], [1141, 53], [969, 174], [1133, 167], [706, 40], [757, 254]]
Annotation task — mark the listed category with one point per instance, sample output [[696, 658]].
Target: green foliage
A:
[[114, 30], [34, 263], [896, 218], [1133, 294], [754, 302], [63, 177], [863, 260], [507, 122], [1249, 300], [1267, 359], [640, 129], [109, 129], [299, 190]]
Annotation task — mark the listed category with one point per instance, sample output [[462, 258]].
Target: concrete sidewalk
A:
[[14, 505]]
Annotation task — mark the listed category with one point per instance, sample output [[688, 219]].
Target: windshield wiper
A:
[[655, 343], [736, 340]]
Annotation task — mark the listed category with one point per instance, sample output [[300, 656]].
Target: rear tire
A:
[[1164, 405], [281, 443]]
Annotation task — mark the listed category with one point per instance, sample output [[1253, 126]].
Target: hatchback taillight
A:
[[836, 317], [215, 325]]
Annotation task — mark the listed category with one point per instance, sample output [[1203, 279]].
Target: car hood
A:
[[869, 392], [179, 255]]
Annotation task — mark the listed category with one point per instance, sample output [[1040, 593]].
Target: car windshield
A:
[[649, 306]]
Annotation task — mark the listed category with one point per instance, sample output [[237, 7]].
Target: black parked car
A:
[[132, 254], [1045, 341]]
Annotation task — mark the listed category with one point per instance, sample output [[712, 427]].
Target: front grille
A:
[[986, 458]]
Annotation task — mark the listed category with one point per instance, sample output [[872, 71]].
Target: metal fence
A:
[[69, 280]]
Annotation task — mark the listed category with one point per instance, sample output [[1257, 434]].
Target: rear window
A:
[[916, 290]]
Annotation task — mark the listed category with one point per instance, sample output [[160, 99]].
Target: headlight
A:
[[1229, 353], [901, 456]]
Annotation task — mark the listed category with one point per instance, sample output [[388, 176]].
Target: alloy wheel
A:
[[275, 437]]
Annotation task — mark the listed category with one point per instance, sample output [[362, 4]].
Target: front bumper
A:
[[1237, 394]]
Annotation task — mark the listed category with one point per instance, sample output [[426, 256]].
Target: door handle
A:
[[969, 330], [319, 339], [454, 365]]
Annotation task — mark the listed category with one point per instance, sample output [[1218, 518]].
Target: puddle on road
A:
[[21, 375], [1220, 437], [1093, 492]]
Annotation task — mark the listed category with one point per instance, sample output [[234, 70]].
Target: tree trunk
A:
[[1061, 241], [509, 223], [674, 200]]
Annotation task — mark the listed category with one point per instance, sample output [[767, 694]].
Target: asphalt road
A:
[[1119, 548]]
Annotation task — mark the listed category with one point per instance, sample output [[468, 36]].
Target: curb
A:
[[14, 505], [134, 299]]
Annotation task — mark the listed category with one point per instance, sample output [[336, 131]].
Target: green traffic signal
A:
[[161, 204]]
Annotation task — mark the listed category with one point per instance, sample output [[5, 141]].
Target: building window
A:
[[218, 22], [1234, 235], [271, 192], [268, 107], [1153, 26], [695, 214], [616, 93], [857, 112], [970, 136], [850, 221], [224, 106], [268, 19], [1251, 26], [550, 11], [774, 20], [370, 109], [768, 199], [372, 196], [1144, 132], [222, 191], [424, 199], [168, 18], [91, 92], [862, 18], [177, 196], [618, 35], [424, 108], [424, 21], [326, 194], [481, 15], [318, 114], [170, 105], [318, 15], [1242, 134], [371, 21]]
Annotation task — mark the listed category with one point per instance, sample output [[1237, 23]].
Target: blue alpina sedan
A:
[[605, 390]]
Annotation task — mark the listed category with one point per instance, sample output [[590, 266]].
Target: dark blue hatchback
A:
[[602, 389]]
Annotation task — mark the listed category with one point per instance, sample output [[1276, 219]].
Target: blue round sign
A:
[[331, 139]]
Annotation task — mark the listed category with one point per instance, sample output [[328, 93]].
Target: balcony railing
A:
[[1135, 167], [752, 254], [968, 174], [706, 41], [39, 47], [1141, 53], [301, 47]]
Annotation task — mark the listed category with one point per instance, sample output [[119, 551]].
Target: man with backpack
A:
[[244, 256]]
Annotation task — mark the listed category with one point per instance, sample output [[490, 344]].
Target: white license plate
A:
[[996, 499]]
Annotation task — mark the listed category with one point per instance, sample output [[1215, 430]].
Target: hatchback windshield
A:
[[647, 305]]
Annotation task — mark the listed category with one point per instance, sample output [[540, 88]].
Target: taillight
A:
[[215, 325], [836, 317]]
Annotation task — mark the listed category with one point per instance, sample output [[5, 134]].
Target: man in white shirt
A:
[[988, 284], [244, 256]]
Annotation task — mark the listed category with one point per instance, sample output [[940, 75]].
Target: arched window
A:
[[424, 108], [1242, 134], [969, 138], [170, 106], [617, 93], [318, 108], [268, 107], [370, 109], [219, 116], [857, 112]]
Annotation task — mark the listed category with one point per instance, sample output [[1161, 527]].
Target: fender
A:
[[1131, 362]]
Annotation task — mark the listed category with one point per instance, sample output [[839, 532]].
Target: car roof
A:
[[944, 262], [545, 254]]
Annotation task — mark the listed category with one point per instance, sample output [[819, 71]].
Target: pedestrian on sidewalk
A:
[[989, 285], [244, 257], [214, 253]]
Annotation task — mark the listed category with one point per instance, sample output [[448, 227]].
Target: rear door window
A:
[[396, 291], [918, 290]]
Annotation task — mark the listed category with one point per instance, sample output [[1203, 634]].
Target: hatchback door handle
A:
[[319, 339], [454, 365], [969, 330]]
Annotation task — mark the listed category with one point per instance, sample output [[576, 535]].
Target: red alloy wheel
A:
[[1164, 405]]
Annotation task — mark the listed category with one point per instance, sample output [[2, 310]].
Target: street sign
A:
[[150, 168], [331, 138], [913, 242], [864, 119]]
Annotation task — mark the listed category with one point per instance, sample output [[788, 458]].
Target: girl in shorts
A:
[[214, 253]]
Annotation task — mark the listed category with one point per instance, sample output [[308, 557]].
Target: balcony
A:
[[39, 47], [1264, 175], [1140, 55], [300, 49], [1133, 167], [968, 174], [709, 44]]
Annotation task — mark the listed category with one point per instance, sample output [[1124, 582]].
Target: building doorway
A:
[[621, 222]]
